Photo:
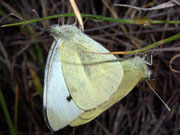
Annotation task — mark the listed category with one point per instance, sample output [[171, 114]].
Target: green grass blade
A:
[[6, 113], [151, 46], [167, 40], [97, 18]]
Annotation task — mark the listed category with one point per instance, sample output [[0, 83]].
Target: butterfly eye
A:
[[54, 30]]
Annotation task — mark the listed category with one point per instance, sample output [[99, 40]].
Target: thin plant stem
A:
[[139, 21], [6, 113]]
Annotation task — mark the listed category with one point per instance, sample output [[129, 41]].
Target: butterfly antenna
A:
[[12, 14], [158, 96], [34, 11]]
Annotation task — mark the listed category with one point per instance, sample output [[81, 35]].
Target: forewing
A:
[[58, 110], [90, 78]]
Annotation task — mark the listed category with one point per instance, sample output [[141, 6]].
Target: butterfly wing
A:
[[90, 78], [58, 110], [133, 73]]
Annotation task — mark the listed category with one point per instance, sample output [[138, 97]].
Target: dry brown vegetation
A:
[[24, 49]]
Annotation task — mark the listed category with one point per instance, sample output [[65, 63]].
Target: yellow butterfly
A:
[[79, 86]]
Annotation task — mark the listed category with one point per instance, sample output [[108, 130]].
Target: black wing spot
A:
[[69, 98]]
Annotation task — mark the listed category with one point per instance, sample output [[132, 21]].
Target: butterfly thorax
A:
[[65, 32], [141, 65]]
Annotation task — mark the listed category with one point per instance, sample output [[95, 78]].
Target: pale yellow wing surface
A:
[[90, 78], [133, 73]]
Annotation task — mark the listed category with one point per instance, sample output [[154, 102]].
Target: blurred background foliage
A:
[[24, 49]]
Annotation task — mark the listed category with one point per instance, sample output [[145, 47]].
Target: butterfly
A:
[[79, 86]]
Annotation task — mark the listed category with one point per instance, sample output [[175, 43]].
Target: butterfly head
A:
[[65, 31]]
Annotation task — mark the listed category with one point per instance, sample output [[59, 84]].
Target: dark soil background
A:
[[24, 49]]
